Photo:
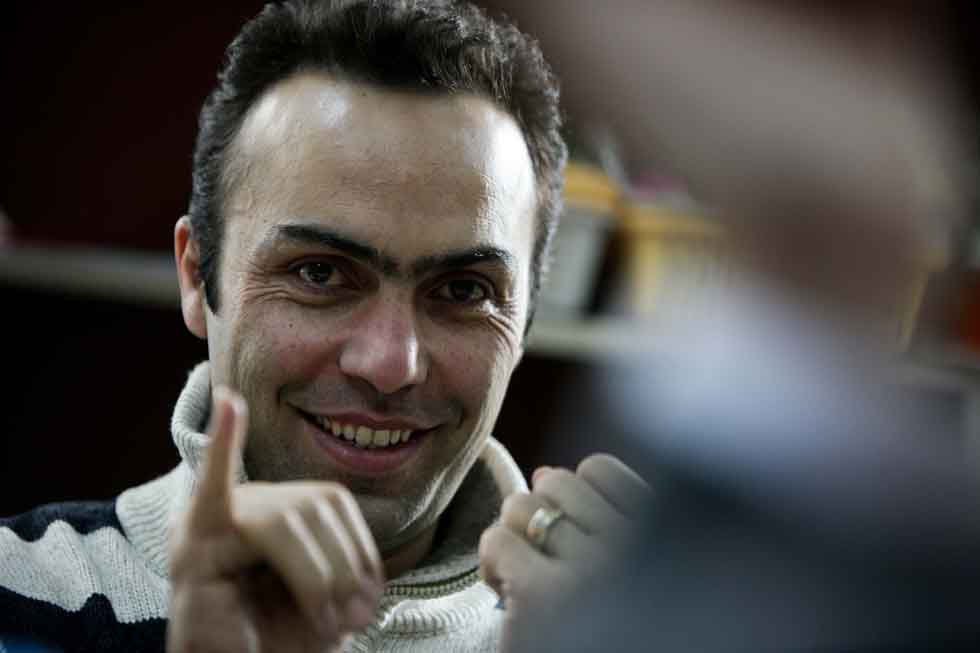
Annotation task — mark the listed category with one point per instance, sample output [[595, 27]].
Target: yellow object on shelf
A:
[[589, 188], [666, 255]]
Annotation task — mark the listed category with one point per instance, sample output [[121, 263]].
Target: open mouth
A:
[[364, 437]]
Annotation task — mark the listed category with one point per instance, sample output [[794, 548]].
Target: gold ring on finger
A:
[[540, 524]]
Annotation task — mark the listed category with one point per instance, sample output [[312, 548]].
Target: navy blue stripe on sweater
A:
[[93, 628], [83, 516], [30, 624], [20, 645]]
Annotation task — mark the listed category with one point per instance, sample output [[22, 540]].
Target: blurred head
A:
[[375, 186]]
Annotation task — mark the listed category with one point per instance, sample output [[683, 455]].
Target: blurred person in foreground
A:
[[804, 499], [375, 186]]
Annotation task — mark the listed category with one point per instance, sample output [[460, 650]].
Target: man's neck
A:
[[409, 555]]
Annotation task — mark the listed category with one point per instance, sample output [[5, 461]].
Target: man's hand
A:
[[267, 567], [599, 502]]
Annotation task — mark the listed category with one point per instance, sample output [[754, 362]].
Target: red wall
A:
[[99, 113]]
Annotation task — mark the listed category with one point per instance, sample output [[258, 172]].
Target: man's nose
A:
[[385, 350]]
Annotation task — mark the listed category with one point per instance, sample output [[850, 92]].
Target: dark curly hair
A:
[[440, 46]]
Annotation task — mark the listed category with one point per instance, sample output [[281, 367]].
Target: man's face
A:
[[374, 281]]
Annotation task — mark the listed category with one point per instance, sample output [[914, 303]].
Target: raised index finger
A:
[[619, 484], [210, 508]]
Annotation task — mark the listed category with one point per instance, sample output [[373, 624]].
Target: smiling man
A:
[[373, 289], [375, 187], [370, 297]]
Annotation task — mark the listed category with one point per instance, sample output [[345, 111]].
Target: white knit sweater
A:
[[440, 606]]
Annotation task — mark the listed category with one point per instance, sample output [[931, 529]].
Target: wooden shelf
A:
[[127, 276]]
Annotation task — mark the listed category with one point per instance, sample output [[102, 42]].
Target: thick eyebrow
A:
[[464, 259], [310, 235], [316, 235]]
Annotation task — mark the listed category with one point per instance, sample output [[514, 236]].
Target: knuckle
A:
[[517, 512], [286, 520], [181, 560], [322, 513], [512, 505], [595, 465], [335, 492], [552, 481], [484, 542], [342, 502], [519, 584], [180, 565], [488, 573], [489, 540], [189, 558], [310, 508]]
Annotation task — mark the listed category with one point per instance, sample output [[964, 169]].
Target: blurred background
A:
[[98, 119]]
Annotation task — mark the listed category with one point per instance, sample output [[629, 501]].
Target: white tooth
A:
[[396, 436], [406, 435], [349, 432], [364, 436], [382, 438], [337, 429]]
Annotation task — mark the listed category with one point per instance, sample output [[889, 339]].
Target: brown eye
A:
[[463, 291], [317, 273]]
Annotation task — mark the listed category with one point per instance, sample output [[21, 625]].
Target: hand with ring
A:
[[561, 532]]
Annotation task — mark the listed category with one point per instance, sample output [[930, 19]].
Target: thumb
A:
[[210, 508]]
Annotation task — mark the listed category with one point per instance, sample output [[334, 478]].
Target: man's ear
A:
[[192, 295]]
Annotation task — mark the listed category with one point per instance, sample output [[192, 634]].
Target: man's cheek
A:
[[290, 335], [484, 383]]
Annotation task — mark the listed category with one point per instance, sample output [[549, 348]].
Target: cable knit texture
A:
[[93, 576]]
